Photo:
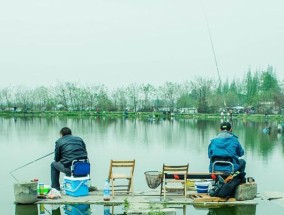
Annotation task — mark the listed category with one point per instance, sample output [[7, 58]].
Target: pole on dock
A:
[[11, 172]]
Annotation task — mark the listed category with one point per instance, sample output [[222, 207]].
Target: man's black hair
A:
[[65, 131], [225, 126]]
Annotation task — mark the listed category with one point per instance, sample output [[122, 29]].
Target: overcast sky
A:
[[120, 42]]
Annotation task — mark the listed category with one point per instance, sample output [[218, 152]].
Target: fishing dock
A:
[[145, 197], [143, 202]]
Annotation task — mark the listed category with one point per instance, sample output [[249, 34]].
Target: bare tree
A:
[[147, 93], [61, 95], [24, 98], [133, 95], [92, 95], [170, 92], [6, 97], [42, 98], [119, 98]]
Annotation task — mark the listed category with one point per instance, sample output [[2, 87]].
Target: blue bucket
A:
[[202, 187]]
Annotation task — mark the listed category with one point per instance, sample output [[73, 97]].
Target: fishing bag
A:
[[226, 188]]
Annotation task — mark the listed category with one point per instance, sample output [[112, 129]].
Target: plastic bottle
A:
[[106, 210], [41, 209], [41, 188], [106, 191]]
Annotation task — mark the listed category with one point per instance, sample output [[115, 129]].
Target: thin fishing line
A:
[[13, 176], [47, 211], [28, 164]]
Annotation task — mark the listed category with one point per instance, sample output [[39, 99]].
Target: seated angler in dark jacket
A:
[[67, 149], [226, 146]]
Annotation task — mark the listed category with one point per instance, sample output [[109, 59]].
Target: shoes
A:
[[92, 188]]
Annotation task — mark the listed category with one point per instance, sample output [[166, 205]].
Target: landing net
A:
[[153, 179]]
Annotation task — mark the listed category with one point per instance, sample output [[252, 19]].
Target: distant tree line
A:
[[260, 91]]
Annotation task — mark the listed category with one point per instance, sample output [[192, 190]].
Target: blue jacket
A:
[[226, 144]]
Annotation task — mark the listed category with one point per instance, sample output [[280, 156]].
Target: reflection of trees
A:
[[26, 209], [233, 210], [181, 134], [175, 132], [254, 138], [83, 209]]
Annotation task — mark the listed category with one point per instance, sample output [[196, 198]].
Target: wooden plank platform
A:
[[148, 197], [197, 198]]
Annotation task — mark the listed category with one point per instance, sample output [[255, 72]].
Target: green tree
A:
[[203, 87], [270, 91], [251, 88]]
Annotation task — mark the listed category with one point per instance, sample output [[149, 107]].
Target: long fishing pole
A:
[[215, 59], [28, 164]]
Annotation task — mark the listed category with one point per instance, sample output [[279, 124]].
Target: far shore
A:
[[143, 115]]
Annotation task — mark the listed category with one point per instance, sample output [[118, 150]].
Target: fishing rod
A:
[[28, 164], [215, 59]]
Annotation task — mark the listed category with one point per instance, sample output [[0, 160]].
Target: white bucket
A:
[[202, 187], [25, 192]]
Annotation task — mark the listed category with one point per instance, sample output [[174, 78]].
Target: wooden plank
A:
[[273, 195], [197, 175], [198, 198]]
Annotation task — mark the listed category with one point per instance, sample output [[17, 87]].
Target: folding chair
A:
[[80, 168], [173, 176], [121, 175], [226, 162]]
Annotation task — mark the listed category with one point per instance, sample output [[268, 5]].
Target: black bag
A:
[[227, 190], [219, 183]]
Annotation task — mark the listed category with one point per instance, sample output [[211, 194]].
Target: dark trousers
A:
[[56, 168], [242, 164]]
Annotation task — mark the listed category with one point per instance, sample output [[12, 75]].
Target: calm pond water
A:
[[151, 143]]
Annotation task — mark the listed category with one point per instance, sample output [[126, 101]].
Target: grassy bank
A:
[[140, 115]]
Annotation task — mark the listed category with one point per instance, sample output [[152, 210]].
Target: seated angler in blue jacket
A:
[[226, 147]]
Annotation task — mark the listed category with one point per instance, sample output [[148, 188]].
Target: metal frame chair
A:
[[222, 161], [122, 170]]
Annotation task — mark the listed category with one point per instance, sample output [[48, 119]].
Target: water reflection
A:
[[266, 130], [52, 209], [163, 141], [85, 209], [26, 209], [56, 211], [69, 209], [235, 210], [77, 209]]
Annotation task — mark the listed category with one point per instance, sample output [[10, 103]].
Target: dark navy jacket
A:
[[226, 144], [69, 148]]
